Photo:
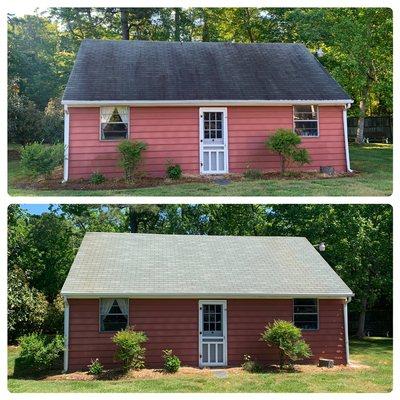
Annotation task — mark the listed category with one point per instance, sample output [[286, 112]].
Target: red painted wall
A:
[[172, 133], [248, 318], [173, 324]]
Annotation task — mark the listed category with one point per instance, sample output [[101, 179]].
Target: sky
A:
[[36, 209]]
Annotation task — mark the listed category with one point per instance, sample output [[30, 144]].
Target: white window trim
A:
[[129, 123], [114, 298], [224, 110], [223, 303], [307, 330], [306, 120]]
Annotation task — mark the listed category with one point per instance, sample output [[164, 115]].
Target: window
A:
[[113, 314], [305, 313], [212, 125], [306, 120], [114, 123], [212, 319]]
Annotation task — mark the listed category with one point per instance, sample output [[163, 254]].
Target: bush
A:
[[97, 178], [39, 352], [251, 173], [250, 365], [285, 142], [130, 156], [287, 338], [54, 320], [171, 361], [129, 348], [95, 367], [27, 307], [174, 171], [39, 159]]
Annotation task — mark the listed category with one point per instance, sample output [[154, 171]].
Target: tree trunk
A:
[[124, 24], [283, 166], [205, 34], [361, 123], [177, 31], [133, 220], [361, 319], [248, 26]]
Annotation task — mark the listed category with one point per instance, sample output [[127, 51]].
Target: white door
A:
[[213, 141], [212, 333]]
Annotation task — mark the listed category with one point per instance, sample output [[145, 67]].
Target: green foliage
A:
[[39, 352], [252, 173], [250, 365], [97, 178], [53, 122], [54, 321], [130, 348], [285, 142], [95, 367], [40, 159], [24, 118], [130, 156], [174, 171], [27, 307], [171, 361], [287, 338]]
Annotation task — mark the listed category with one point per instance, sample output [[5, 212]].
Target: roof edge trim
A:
[[72, 295], [187, 103]]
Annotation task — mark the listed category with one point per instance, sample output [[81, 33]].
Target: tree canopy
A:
[[357, 45]]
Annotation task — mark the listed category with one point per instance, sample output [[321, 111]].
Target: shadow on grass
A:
[[374, 344]]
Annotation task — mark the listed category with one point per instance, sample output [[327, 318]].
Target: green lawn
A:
[[373, 352], [373, 163]]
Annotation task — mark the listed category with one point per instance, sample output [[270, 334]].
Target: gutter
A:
[[346, 138], [346, 329], [66, 333], [183, 103], [81, 295], [66, 142]]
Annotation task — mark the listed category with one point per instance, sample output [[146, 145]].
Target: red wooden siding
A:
[[173, 324], [172, 133]]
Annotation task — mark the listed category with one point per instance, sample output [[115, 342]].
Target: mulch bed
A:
[[55, 182], [194, 372]]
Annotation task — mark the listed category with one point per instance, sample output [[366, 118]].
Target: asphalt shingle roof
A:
[[163, 71], [192, 265]]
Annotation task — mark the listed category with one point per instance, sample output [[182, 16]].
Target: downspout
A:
[[346, 329], [66, 142], [66, 333], [346, 138]]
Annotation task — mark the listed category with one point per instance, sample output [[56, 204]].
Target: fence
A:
[[376, 129]]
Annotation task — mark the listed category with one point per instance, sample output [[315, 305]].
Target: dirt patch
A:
[[55, 181]]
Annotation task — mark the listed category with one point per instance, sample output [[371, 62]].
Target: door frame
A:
[[224, 110], [223, 303]]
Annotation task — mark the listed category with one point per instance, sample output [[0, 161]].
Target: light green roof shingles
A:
[[127, 264]]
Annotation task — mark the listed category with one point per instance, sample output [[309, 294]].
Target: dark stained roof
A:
[[164, 71]]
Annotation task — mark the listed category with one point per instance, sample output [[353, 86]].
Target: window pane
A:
[[307, 325], [214, 161], [306, 302], [205, 353], [306, 128], [221, 161], [305, 112], [114, 131], [212, 352], [114, 322], [305, 317], [206, 161], [220, 352]]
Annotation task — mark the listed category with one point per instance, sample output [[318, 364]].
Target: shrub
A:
[[97, 178], [130, 156], [174, 171], [250, 365], [39, 352], [285, 142], [39, 159], [171, 361], [251, 173], [129, 348], [27, 307], [95, 367], [55, 316], [287, 338]]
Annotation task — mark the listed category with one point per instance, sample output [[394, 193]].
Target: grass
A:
[[373, 163], [374, 352]]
